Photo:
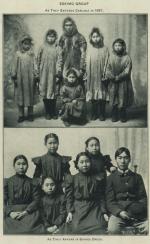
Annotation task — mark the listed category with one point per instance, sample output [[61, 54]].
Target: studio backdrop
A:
[[132, 28], [72, 141]]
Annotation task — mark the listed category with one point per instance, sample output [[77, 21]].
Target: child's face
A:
[[52, 145], [68, 26], [96, 38], [26, 45], [48, 186], [21, 166], [84, 164], [93, 147], [71, 78], [51, 39], [118, 48], [123, 161]]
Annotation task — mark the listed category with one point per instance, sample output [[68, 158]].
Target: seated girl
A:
[[21, 198], [72, 98], [52, 207], [85, 200]]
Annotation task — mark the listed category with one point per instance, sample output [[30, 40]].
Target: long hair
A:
[[69, 19], [97, 30], [122, 42]]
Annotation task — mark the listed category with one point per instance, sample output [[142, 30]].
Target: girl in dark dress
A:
[[73, 98], [52, 207], [21, 198], [52, 164], [85, 203], [99, 162]]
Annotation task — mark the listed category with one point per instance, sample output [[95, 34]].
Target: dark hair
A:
[[68, 19], [121, 41], [51, 135], [51, 32], [44, 178], [20, 156], [121, 150], [72, 71], [97, 30], [78, 157], [90, 139]]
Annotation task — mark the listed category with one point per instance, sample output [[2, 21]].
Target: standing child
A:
[[73, 98], [97, 58], [24, 74], [85, 203], [48, 67], [118, 72], [52, 164], [99, 162], [21, 197], [52, 207]]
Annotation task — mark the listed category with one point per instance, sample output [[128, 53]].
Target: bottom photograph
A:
[[75, 182]]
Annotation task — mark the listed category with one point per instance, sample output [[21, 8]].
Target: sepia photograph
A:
[[95, 185], [83, 70]]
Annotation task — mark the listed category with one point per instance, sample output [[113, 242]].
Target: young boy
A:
[[126, 197]]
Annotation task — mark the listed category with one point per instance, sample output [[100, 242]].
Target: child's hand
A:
[[74, 101], [52, 229], [22, 215], [112, 169], [116, 79], [106, 217], [81, 72], [69, 218], [14, 215], [124, 215]]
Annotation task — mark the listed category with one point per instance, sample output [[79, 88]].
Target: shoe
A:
[[48, 117], [123, 115], [114, 114], [55, 117], [30, 118], [21, 119], [101, 110], [102, 117], [66, 123]]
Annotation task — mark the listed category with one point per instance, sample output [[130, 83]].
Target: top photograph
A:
[[84, 70]]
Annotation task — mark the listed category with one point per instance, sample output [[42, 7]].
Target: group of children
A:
[[102, 77], [55, 201]]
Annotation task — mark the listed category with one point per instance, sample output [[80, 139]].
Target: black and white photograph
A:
[[95, 185], [83, 70]]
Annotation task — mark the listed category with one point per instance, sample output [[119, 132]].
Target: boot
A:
[[115, 114], [21, 117], [94, 110], [102, 105], [30, 113], [54, 114], [123, 115], [47, 115]]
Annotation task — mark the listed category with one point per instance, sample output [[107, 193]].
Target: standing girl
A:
[[99, 162], [97, 58], [21, 198], [118, 72], [73, 98], [85, 203], [52, 164], [48, 67], [52, 207], [24, 74]]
